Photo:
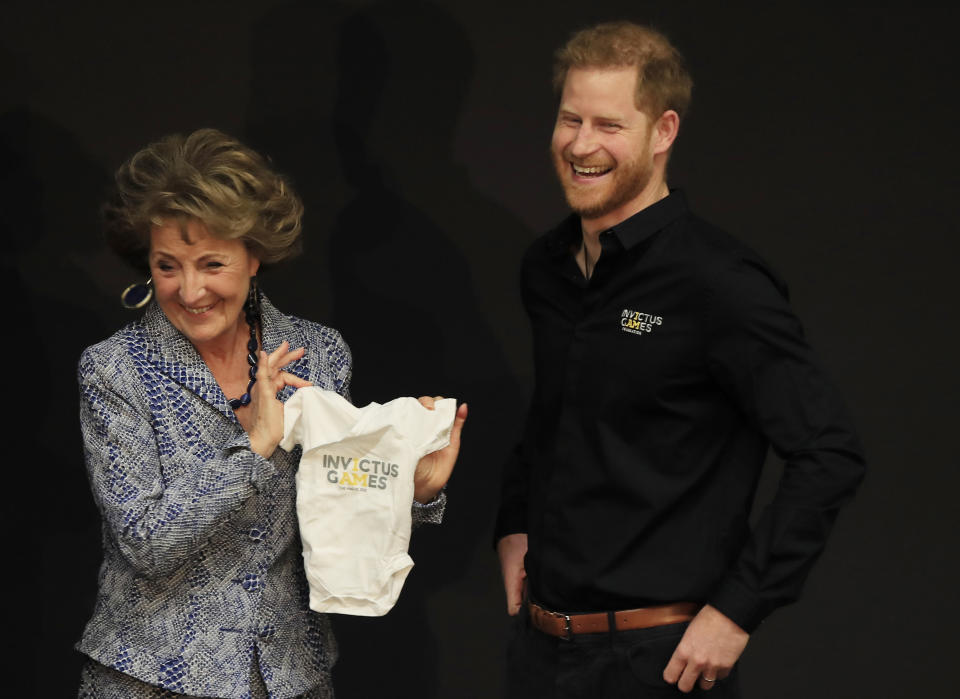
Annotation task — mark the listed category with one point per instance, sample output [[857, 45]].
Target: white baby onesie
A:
[[355, 491]]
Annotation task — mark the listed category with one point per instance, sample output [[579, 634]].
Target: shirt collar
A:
[[654, 218], [628, 233]]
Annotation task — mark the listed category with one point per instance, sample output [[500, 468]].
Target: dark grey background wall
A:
[[417, 135]]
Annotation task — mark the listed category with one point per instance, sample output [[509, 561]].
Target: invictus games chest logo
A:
[[356, 473], [638, 323]]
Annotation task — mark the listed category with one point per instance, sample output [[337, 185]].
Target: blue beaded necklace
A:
[[138, 295], [252, 311]]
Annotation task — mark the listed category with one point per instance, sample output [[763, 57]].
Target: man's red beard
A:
[[625, 182]]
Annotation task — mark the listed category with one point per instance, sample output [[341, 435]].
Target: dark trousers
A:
[[598, 666]]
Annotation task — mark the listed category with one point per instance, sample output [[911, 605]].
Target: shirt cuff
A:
[[509, 521], [740, 605], [430, 512]]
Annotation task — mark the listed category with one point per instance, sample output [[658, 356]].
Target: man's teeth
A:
[[198, 311], [596, 170]]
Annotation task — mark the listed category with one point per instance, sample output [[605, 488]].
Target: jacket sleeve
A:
[[757, 352], [157, 520]]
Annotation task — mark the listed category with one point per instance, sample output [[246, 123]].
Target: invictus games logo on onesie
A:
[[638, 323], [359, 473]]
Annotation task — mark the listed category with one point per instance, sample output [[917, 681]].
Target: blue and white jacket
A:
[[202, 570]]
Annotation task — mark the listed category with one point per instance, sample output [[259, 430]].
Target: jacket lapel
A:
[[174, 356], [276, 328]]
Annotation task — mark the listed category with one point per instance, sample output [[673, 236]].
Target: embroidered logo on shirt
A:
[[638, 323], [354, 473]]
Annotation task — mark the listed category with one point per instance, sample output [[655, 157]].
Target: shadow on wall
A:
[[418, 271], [48, 222]]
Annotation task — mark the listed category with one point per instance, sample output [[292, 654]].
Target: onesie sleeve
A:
[[292, 414], [434, 433], [434, 428]]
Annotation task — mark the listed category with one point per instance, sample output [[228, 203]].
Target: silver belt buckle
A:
[[568, 630]]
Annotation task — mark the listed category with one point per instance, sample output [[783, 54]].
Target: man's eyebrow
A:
[[563, 111]]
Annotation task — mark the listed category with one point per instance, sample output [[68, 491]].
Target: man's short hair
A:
[[663, 81]]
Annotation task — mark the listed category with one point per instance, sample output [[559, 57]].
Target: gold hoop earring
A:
[[137, 295]]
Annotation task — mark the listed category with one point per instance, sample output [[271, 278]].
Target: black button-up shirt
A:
[[659, 385]]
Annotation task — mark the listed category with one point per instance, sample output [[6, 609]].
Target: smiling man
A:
[[667, 360]]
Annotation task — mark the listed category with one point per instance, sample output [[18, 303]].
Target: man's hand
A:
[[512, 548], [708, 650]]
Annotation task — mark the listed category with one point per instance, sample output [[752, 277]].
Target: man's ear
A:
[[665, 131]]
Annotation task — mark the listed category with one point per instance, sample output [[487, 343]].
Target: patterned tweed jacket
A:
[[202, 571]]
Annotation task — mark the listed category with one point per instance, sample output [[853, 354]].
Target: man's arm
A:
[[510, 530], [512, 548], [757, 353], [509, 536]]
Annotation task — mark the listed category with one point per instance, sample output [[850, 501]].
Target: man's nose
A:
[[585, 143]]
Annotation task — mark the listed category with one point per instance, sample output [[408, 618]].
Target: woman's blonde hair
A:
[[208, 176]]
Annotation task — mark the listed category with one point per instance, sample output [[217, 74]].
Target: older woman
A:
[[202, 590]]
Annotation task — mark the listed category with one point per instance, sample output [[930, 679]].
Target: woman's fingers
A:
[[428, 401], [459, 418], [283, 355], [291, 356], [293, 380], [263, 367], [269, 365]]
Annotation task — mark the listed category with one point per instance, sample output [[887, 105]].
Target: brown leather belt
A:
[[565, 625]]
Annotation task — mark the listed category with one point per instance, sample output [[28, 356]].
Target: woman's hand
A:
[[265, 418], [435, 468]]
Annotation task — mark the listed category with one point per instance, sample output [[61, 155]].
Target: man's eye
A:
[[214, 264]]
